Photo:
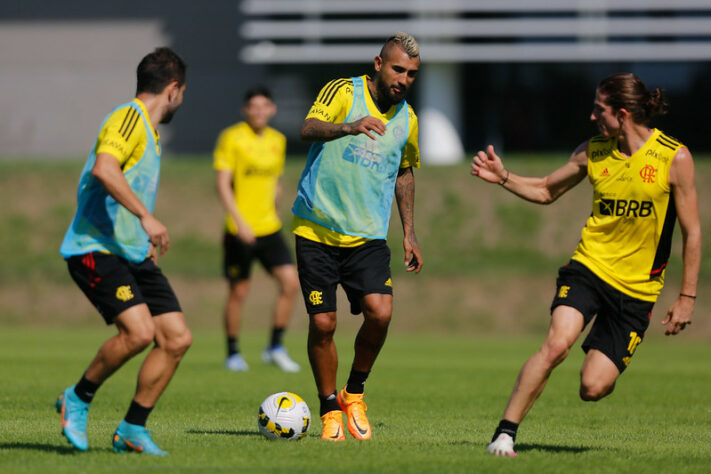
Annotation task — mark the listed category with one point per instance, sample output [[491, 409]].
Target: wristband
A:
[[688, 296], [506, 178]]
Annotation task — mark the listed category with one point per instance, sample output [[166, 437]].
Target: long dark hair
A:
[[625, 90]]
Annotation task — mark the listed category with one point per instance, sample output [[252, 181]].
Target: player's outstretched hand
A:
[[366, 125], [678, 316], [488, 166], [157, 233]]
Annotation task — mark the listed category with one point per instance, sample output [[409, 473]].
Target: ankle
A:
[[86, 389], [508, 427], [328, 403]]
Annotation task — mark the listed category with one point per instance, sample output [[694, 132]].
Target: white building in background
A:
[[64, 65], [452, 32], [59, 78]]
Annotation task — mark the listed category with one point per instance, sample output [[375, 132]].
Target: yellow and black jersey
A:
[[123, 135], [333, 105], [627, 238], [256, 162]]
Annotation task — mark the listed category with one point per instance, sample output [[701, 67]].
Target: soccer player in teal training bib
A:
[[110, 249], [364, 137]]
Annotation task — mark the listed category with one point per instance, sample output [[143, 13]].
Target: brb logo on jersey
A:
[[625, 208], [366, 156]]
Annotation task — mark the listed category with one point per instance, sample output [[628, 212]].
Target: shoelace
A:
[[78, 410], [357, 404]]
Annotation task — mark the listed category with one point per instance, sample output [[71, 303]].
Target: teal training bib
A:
[[348, 183], [101, 223]]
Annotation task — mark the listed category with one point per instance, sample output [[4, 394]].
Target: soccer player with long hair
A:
[[643, 181]]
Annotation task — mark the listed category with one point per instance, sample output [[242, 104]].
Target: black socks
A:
[[86, 389], [233, 342], [356, 381], [232, 346], [328, 403], [355, 384], [137, 414], [277, 334], [506, 426]]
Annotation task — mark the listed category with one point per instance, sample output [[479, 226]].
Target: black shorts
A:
[[621, 319], [360, 270], [114, 284], [270, 250]]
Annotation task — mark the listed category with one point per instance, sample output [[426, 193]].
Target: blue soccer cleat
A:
[[74, 413], [236, 363], [130, 437]]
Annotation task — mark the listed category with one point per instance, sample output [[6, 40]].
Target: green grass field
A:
[[433, 403], [461, 330]]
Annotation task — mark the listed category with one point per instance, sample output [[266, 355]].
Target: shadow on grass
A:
[[466, 443], [224, 432], [48, 448], [551, 448]]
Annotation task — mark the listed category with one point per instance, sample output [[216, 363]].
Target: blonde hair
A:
[[406, 41]]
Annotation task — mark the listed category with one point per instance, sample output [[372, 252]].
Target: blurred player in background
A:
[[364, 147], [643, 180], [111, 249], [249, 160]]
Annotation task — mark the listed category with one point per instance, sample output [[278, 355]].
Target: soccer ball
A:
[[284, 415]]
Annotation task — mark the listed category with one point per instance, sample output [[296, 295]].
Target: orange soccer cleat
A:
[[333, 426], [354, 406]]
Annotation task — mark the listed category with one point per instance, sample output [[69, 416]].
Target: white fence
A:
[[320, 31]]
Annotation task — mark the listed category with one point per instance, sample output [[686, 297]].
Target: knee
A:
[[140, 338], [322, 326], [592, 390], [238, 292], [555, 351], [178, 344], [379, 315], [290, 285]]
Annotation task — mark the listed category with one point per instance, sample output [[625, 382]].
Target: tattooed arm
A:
[[405, 195], [315, 130]]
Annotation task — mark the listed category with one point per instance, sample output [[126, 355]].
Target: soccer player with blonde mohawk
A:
[[364, 146]]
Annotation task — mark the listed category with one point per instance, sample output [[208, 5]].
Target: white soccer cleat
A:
[[236, 363], [503, 445], [279, 357]]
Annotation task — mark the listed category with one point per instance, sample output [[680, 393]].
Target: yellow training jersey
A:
[[627, 238], [256, 162], [332, 105], [123, 136]]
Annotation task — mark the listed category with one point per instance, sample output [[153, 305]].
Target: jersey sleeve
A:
[[333, 102], [411, 153], [223, 159], [120, 134], [281, 145]]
